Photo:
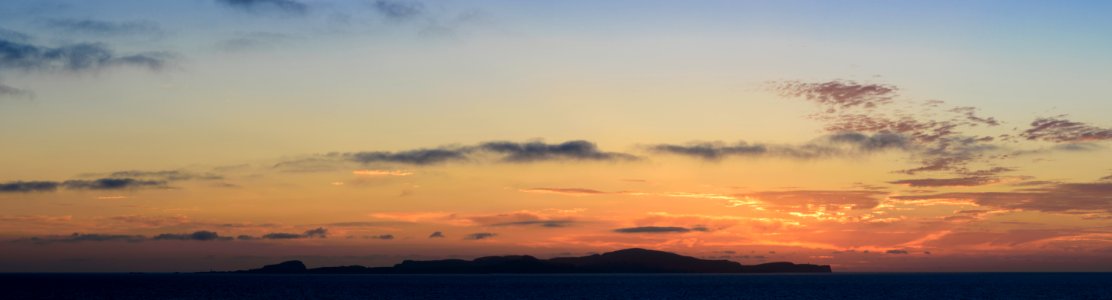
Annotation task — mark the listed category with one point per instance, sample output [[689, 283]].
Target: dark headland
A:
[[622, 261]]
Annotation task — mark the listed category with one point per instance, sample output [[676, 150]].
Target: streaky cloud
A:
[[195, 236], [15, 55], [658, 229], [112, 184], [539, 151], [399, 10], [1059, 130], [28, 186], [292, 7], [943, 182], [98, 27], [480, 236]]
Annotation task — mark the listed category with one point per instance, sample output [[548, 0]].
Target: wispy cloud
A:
[[292, 7], [658, 229], [1059, 130]]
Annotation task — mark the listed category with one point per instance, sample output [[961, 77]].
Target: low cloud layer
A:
[[944, 182], [1057, 197], [835, 145], [480, 236]]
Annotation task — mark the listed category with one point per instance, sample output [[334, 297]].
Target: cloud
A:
[[382, 237], [195, 236], [510, 152], [941, 182], [399, 10], [13, 92], [28, 186], [1060, 197], [1059, 130], [936, 137], [838, 93], [658, 229], [413, 157], [541, 223], [539, 151], [896, 251], [86, 237], [96, 27], [436, 235], [73, 57], [166, 175], [834, 145], [825, 199], [111, 184], [260, 6], [480, 236], [565, 191], [319, 232]]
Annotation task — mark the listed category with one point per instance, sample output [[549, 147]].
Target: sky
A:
[[872, 136]]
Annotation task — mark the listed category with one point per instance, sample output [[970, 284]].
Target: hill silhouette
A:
[[633, 260]]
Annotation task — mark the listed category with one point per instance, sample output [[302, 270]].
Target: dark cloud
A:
[[505, 151], [399, 10], [246, 237], [166, 175], [112, 184], [838, 94], [479, 236], [658, 229], [896, 251], [11, 35], [940, 182], [413, 157], [541, 223], [839, 144], [195, 236], [319, 232], [96, 27], [1061, 197], [260, 6], [86, 237], [539, 151], [16, 55], [382, 237], [1059, 130], [28, 186], [436, 235]]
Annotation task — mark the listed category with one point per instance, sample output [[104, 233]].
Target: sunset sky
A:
[[195, 135]]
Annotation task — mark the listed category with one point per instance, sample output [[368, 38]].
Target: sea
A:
[[569, 286]]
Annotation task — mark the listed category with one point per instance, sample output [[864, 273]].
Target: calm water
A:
[[821, 286]]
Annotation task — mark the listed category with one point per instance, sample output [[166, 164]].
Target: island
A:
[[633, 260]]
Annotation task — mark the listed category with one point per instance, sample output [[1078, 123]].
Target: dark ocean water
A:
[[648, 286]]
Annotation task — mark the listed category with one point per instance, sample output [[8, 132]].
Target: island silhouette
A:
[[634, 260]]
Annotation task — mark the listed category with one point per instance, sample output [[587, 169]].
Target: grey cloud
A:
[[838, 93], [941, 182], [28, 186], [86, 237], [480, 236], [16, 36], [165, 175], [539, 151], [658, 229], [896, 252], [259, 6], [111, 184], [1059, 130], [414, 157], [839, 144], [318, 232], [195, 236], [399, 10], [97, 27], [73, 57], [14, 92], [382, 237], [436, 235]]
